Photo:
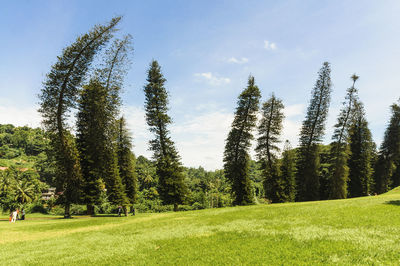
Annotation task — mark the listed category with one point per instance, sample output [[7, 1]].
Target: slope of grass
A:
[[354, 231]]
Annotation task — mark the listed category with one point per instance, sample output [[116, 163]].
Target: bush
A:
[[74, 210], [185, 208], [197, 206], [35, 207]]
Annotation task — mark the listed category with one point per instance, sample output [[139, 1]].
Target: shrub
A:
[[36, 207]]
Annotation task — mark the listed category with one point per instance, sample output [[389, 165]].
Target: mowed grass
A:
[[353, 231]]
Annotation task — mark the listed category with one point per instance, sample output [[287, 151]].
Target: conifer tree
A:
[[361, 151], [96, 130], [126, 162], [91, 141], [172, 188], [387, 169], [339, 152], [237, 145], [59, 95], [288, 173], [311, 134], [269, 131]]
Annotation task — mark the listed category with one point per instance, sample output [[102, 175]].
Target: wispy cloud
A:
[[235, 60], [270, 45], [212, 79]]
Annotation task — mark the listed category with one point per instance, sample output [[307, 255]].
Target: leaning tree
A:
[[311, 134], [238, 143], [59, 95], [339, 153]]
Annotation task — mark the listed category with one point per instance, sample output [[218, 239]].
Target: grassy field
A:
[[355, 231]]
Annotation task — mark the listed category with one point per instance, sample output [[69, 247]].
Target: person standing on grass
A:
[[23, 214], [14, 216], [119, 210]]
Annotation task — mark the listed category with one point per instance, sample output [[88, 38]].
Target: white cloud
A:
[[235, 60], [20, 116], [136, 122], [212, 79], [270, 45], [294, 110], [201, 139]]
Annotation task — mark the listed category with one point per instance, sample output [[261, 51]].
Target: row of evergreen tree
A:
[[354, 167], [98, 161]]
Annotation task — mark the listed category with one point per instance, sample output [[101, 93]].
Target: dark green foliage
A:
[[387, 170], [312, 131], [93, 121], [172, 188], [361, 152], [324, 174], [339, 170], [209, 189], [126, 161], [19, 187], [288, 173], [96, 127], [146, 173], [67, 170], [236, 157], [59, 95], [115, 188], [269, 131]]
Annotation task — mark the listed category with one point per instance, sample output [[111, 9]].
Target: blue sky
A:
[[207, 49]]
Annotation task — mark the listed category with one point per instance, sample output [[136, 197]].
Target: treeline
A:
[[96, 163], [349, 167]]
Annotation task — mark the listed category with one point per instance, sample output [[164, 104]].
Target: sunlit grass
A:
[[355, 231]]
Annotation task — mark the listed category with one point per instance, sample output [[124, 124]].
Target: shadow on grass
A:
[[393, 202]]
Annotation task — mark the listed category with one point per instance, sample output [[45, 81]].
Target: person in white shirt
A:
[[14, 216]]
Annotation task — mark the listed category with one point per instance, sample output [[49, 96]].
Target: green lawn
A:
[[355, 231]]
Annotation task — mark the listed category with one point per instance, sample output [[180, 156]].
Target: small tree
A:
[[288, 173], [236, 157]]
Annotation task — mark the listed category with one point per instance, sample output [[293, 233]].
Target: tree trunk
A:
[[90, 209], [132, 210], [125, 210], [67, 210], [175, 207]]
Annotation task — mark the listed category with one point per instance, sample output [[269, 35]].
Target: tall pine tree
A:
[[269, 130], [96, 130], [236, 157], [387, 169], [172, 188], [361, 151], [339, 152], [59, 94], [312, 131], [127, 162]]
